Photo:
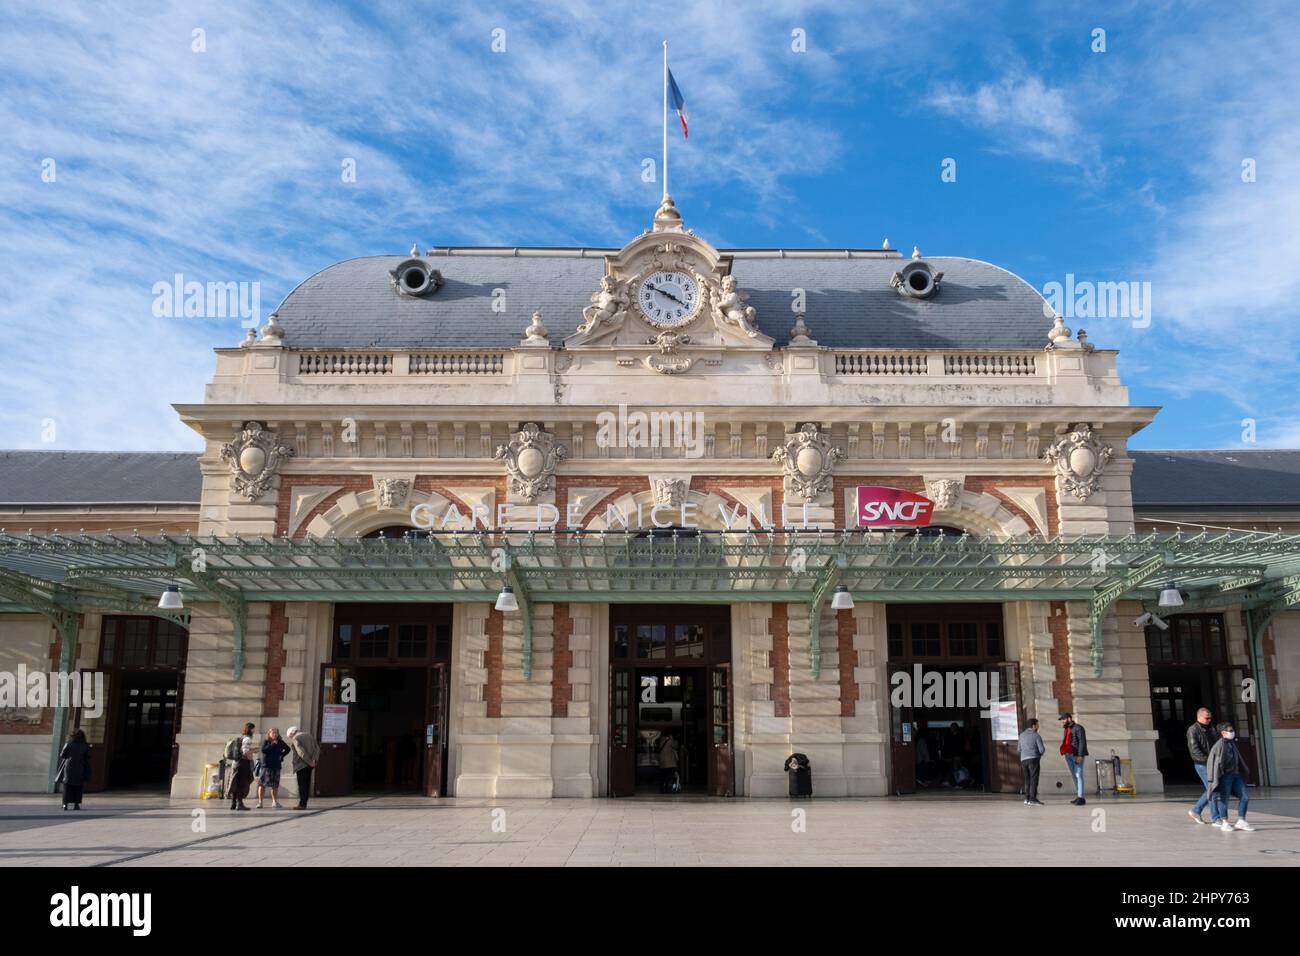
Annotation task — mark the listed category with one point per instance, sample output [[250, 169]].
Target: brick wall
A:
[[779, 627], [493, 661], [562, 660], [1058, 623]]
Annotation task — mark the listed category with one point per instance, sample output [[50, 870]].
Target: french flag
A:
[[679, 104]]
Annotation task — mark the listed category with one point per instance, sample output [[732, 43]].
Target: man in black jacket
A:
[[1200, 738], [1074, 748]]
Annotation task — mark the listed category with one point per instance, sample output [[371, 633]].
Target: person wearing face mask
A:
[[1224, 771]]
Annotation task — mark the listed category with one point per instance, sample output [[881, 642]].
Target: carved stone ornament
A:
[[530, 460], [669, 361], [945, 493], [1080, 458], [392, 491], [809, 461], [255, 458], [669, 491], [729, 306], [608, 308]]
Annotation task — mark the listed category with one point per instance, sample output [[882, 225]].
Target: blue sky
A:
[[224, 165]]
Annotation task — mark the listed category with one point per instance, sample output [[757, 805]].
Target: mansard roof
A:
[[1227, 478], [99, 477], [850, 303]]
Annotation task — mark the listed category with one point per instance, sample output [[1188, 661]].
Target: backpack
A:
[[234, 748]]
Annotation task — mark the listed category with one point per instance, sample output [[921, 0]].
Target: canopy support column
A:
[[823, 588]]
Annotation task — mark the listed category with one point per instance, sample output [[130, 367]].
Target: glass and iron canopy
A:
[[61, 574]]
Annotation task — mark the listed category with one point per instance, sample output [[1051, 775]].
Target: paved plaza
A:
[[927, 830]]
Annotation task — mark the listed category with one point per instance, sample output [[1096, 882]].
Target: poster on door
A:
[[1006, 724], [334, 724]]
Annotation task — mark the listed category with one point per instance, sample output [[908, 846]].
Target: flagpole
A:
[[665, 119]]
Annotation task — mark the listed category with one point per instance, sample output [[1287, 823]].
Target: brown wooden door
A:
[[435, 732], [100, 754], [903, 732], [1003, 773], [622, 732], [333, 777], [721, 760]]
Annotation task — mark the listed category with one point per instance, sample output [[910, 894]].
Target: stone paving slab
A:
[[400, 831]]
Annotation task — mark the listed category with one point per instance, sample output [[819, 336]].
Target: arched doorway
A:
[[670, 676]]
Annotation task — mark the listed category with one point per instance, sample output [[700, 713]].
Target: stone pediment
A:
[[666, 299]]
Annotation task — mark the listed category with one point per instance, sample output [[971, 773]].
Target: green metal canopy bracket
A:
[[236, 608], [526, 618], [67, 622], [822, 589], [1106, 595]]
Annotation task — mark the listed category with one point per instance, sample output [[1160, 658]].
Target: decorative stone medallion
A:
[[530, 460], [809, 461], [255, 457], [1080, 458]]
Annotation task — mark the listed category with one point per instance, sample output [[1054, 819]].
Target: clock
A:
[[669, 300]]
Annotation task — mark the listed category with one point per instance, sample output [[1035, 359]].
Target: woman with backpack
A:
[[268, 774], [74, 770], [238, 751]]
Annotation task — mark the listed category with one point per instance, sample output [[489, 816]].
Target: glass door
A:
[[622, 735], [903, 734], [1004, 723], [333, 777], [721, 764], [435, 732]]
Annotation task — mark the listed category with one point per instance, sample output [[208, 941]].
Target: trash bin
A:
[[799, 767]]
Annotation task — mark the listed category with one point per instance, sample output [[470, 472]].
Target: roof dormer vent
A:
[[917, 279], [414, 277]]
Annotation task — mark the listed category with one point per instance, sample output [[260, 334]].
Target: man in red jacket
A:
[[1074, 748]]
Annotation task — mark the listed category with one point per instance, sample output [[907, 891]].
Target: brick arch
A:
[[707, 517], [341, 521]]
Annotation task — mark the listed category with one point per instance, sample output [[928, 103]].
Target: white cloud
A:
[[1023, 115]]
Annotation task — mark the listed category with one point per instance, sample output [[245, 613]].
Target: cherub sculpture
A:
[[609, 306], [731, 307]]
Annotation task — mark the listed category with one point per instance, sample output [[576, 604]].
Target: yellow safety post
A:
[[210, 786]]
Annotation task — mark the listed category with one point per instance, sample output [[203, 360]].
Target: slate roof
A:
[[99, 477], [850, 303], [1254, 478]]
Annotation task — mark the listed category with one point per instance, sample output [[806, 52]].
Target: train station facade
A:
[[491, 522]]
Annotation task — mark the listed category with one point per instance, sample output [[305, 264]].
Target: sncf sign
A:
[[878, 505]]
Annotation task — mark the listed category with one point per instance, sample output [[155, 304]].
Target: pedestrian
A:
[[305, 754], [667, 762], [1200, 738], [74, 768], [1225, 772], [273, 751], [239, 750], [1031, 750], [1074, 748]]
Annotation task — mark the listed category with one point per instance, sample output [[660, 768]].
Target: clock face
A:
[[668, 299]]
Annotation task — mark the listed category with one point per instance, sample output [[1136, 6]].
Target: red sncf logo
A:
[[878, 505]]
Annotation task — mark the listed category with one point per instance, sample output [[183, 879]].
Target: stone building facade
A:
[[662, 385]]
